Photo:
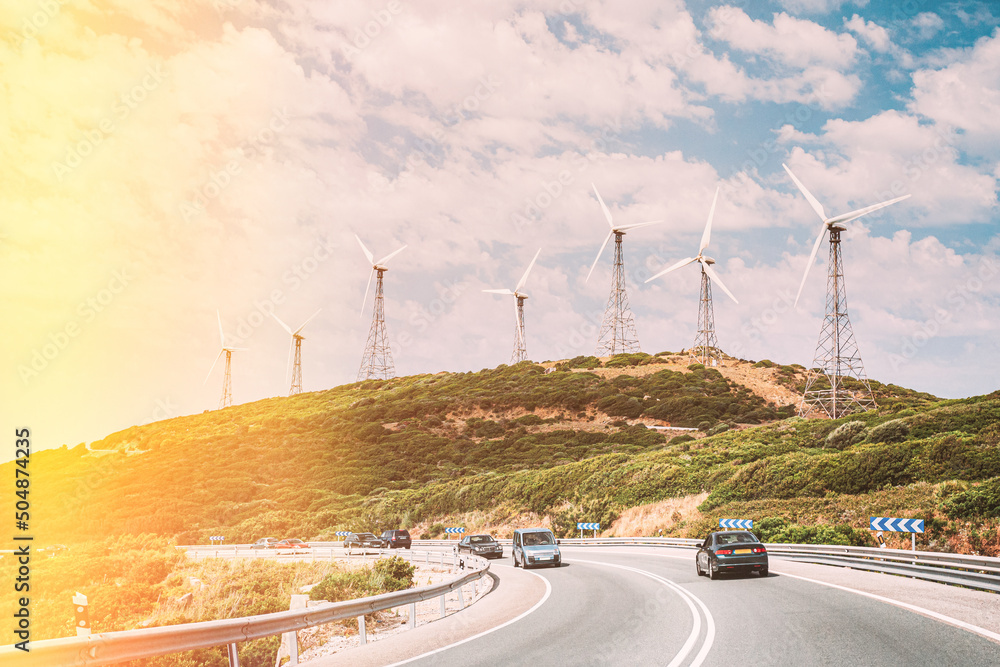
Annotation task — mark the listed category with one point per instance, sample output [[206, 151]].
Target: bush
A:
[[846, 435], [628, 359], [980, 501], [583, 362], [895, 430], [681, 439], [705, 425], [764, 363], [719, 428]]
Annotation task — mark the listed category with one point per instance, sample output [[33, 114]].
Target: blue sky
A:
[[472, 133]]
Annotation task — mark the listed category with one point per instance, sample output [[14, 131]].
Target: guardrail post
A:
[[234, 658], [444, 610], [361, 629], [411, 622], [475, 588], [461, 599]]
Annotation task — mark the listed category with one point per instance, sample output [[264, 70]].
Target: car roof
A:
[[532, 530]]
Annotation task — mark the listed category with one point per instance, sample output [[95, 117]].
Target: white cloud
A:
[[874, 35], [964, 95], [927, 24], [790, 41]]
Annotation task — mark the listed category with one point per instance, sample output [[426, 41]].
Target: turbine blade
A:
[[607, 213], [854, 215], [812, 258], [634, 225], [283, 325], [390, 256], [706, 237], [716, 279], [222, 336], [306, 322], [498, 291], [237, 349], [368, 253], [524, 278], [812, 200], [212, 368], [683, 262], [603, 245], [367, 287]]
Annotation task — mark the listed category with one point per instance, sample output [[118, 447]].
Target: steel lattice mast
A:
[[706, 347], [617, 333], [295, 352], [296, 387], [520, 352], [227, 382], [376, 364], [837, 356]]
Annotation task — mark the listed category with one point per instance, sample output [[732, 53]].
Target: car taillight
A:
[[759, 550], [724, 552]]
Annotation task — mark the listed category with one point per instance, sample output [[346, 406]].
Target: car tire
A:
[[697, 566], [513, 557], [762, 573], [712, 574]]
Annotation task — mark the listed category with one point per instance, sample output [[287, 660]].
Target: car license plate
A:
[[742, 551]]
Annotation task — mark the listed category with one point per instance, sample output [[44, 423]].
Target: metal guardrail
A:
[[112, 647], [977, 572]]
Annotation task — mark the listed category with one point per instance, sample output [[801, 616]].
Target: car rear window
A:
[[736, 538]]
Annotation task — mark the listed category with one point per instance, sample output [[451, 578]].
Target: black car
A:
[[480, 545], [362, 541], [731, 551], [396, 539]]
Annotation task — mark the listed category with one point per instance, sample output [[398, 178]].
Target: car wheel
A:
[[763, 573], [513, 557], [697, 566], [712, 574]]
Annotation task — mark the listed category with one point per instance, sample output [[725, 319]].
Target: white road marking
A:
[[975, 629], [548, 591], [687, 596]]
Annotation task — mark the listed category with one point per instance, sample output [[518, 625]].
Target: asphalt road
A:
[[615, 607]]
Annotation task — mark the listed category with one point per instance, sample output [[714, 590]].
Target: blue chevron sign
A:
[[454, 530], [342, 533], [897, 525], [588, 526], [742, 524]]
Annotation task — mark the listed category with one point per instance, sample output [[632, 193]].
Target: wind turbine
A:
[[377, 360], [617, 333], [227, 381], [295, 343], [520, 352], [706, 347], [837, 356]]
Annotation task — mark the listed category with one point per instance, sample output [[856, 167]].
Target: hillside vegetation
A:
[[525, 443]]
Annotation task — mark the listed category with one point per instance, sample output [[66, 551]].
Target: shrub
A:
[[895, 430], [977, 502], [529, 420], [719, 428], [680, 439], [583, 362], [846, 435], [705, 425], [628, 359], [393, 574], [764, 363]]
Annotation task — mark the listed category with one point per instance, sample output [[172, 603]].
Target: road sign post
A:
[[897, 525], [739, 524]]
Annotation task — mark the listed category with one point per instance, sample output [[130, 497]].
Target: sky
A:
[[168, 160]]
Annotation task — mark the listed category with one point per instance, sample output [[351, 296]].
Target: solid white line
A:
[[548, 591], [687, 596], [975, 629]]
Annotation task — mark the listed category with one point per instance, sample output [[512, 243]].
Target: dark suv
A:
[[396, 539]]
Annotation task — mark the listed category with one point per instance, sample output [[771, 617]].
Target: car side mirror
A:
[[558, 541]]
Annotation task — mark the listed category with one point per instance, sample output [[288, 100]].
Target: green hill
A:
[[526, 443]]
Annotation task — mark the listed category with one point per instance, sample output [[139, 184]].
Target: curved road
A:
[[612, 606]]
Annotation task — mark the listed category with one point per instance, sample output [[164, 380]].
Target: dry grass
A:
[[666, 515]]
